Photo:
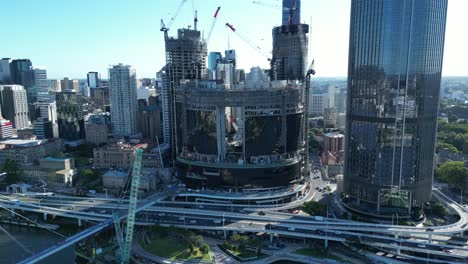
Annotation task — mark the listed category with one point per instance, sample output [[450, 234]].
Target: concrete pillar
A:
[[326, 243], [271, 237], [225, 234], [45, 216], [430, 238], [12, 212], [79, 221]]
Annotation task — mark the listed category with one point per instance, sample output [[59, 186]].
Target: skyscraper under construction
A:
[[290, 42], [185, 59]]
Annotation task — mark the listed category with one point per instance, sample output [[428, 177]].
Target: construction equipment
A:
[[266, 4], [126, 245], [165, 28], [309, 73], [215, 16], [248, 41]]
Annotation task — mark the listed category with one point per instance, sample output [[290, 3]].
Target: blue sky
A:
[[72, 37]]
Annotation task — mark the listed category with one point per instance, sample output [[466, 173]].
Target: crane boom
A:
[[266, 4], [215, 16], [165, 28], [248, 41]]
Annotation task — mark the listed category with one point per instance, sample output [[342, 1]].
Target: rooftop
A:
[[23, 143]]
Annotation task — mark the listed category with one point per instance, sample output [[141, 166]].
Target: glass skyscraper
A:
[[394, 73]]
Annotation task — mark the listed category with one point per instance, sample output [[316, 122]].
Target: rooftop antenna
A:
[[195, 20], [229, 40]]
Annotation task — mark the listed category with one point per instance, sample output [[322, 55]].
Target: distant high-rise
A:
[[185, 59], [123, 99], [5, 75], [15, 105], [55, 86], [6, 128], [70, 115], [94, 79], [213, 59], [395, 63], [16, 67], [35, 82], [290, 42], [291, 12], [71, 85]]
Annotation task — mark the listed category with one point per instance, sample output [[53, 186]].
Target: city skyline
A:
[[129, 33]]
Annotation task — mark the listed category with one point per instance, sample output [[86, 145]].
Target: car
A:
[[242, 211], [447, 250], [217, 221], [421, 246], [181, 218], [261, 213], [296, 211], [102, 212], [193, 221], [291, 228], [317, 188], [201, 206], [162, 214]]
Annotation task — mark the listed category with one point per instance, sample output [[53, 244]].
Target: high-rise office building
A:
[[213, 59], [185, 59], [55, 86], [5, 74], [290, 42], [394, 73], [16, 67], [70, 117], [94, 79], [15, 105], [43, 128], [123, 99], [35, 82], [71, 85]]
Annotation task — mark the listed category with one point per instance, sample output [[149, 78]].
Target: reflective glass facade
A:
[[394, 74]]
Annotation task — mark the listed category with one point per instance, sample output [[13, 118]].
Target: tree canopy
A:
[[454, 172], [314, 208], [12, 170]]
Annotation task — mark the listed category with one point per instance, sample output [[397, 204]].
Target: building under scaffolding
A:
[[243, 137], [185, 59]]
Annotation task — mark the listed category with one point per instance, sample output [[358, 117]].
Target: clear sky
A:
[[72, 37]]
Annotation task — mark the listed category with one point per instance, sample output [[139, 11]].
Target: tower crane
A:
[[266, 4], [215, 16], [309, 73], [126, 244], [165, 28]]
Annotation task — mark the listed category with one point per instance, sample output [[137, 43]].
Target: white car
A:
[[421, 246], [217, 221], [193, 221]]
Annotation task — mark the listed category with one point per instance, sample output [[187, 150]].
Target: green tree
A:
[[205, 249], [454, 172], [314, 208], [12, 170]]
